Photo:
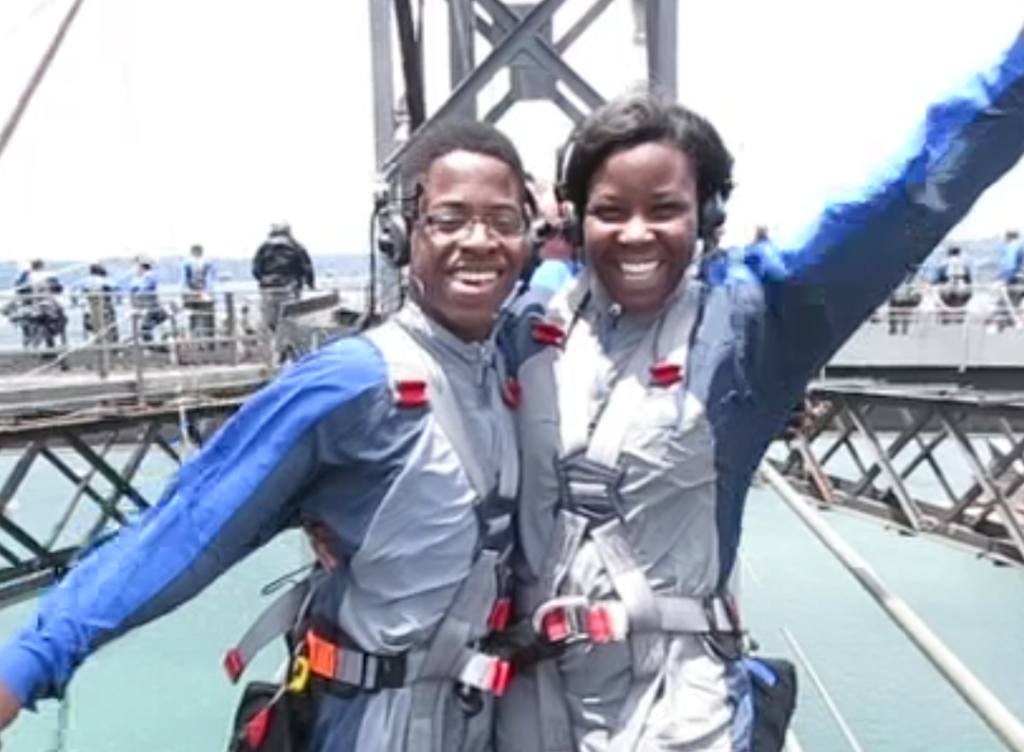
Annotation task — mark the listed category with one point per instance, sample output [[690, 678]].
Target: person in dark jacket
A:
[[281, 267]]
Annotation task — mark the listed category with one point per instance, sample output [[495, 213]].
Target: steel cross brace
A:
[[657, 22], [40, 539], [889, 444]]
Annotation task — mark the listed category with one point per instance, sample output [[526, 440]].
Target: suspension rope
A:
[[822, 690], [11, 126]]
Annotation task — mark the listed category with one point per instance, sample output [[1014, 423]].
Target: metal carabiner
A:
[[300, 675], [571, 605]]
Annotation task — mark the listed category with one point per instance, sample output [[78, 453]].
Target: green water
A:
[[161, 689]]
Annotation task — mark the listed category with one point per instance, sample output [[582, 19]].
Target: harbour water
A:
[[161, 688]]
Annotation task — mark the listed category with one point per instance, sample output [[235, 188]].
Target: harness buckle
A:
[[562, 620], [727, 644]]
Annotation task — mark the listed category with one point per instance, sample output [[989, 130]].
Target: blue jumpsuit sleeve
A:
[[244, 487], [860, 249], [552, 274]]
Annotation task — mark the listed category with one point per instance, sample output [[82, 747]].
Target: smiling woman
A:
[[650, 391]]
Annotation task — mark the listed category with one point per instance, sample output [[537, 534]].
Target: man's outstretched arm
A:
[[242, 489]]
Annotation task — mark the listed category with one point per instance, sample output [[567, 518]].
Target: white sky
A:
[[168, 122]]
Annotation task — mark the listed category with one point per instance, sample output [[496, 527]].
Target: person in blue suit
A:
[[395, 451], [651, 391], [558, 263], [1011, 282]]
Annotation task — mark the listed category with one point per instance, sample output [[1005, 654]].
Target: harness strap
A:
[[675, 329], [280, 617], [591, 508], [352, 668], [451, 653], [571, 618], [407, 355]]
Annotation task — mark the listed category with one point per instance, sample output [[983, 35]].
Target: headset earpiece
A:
[[712, 219], [572, 226], [572, 220], [391, 229]]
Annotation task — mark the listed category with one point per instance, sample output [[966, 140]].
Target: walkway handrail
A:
[[1003, 723]]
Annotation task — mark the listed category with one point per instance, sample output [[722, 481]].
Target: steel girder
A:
[[513, 31], [939, 461], [68, 481]]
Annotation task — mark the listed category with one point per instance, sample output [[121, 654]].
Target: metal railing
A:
[[108, 346], [989, 708]]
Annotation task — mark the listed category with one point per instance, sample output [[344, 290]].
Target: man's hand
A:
[[9, 707]]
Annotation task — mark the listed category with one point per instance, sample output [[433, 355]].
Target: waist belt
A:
[[562, 621], [328, 655], [346, 668]]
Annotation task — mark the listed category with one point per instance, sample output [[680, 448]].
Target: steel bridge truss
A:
[[103, 460], [520, 38], [934, 461]]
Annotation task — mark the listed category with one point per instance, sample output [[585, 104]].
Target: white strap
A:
[[581, 360], [575, 371], [407, 358], [626, 398]]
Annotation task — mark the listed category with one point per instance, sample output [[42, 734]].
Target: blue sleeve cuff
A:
[[23, 670]]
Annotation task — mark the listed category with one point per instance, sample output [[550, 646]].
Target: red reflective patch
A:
[[666, 374], [234, 665], [546, 333], [501, 614], [500, 676], [411, 393], [511, 392], [256, 729]]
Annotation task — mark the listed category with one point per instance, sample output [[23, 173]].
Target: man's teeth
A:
[[638, 268], [476, 277]]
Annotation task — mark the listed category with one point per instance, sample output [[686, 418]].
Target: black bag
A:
[[774, 685], [265, 722]]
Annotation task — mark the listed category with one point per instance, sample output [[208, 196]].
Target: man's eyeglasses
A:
[[452, 226]]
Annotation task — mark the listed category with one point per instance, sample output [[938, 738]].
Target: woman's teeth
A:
[[476, 277], [638, 269]]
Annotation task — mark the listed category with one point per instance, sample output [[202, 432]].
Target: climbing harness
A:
[[326, 659], [591, 510]]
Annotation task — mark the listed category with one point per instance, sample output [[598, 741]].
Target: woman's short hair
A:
[[639, 117]]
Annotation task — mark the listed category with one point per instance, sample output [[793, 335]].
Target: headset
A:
[[710, 220], [390, 224]]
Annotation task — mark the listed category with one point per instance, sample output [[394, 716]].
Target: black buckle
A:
[[390, 672], [589, 489], [727, 644], [471, 700], [496, 521]]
